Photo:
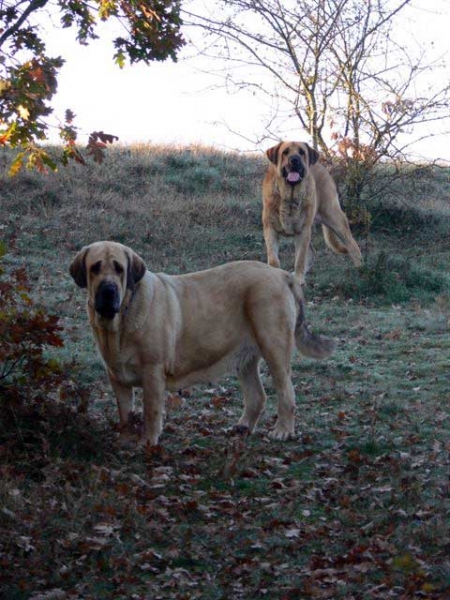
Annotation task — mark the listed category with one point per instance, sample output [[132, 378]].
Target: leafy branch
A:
[[29, 77]]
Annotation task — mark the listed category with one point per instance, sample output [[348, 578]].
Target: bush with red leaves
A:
[[26, 334]]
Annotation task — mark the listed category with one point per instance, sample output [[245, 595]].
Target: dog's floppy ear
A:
[[272, 153], [136, 269], [313, 155], [78, 268]]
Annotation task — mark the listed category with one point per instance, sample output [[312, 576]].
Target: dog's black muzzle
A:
[[294, 171], [107, 300]]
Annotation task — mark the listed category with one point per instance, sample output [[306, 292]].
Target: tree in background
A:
[[150, 30], [337, 65]]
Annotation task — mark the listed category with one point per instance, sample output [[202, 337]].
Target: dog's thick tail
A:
[[332, 241], [336, 243], [309, 344]]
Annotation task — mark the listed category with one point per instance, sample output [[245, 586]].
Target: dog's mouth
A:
[[294, 174], [107, 300]]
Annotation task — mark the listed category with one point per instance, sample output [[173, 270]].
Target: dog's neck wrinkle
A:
[[138, 303], [292, 200], [109, 342], [126, 305], [130, 319], [290, 194]]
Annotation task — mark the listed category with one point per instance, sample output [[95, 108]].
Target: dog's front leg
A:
[[125, 402], [302, 243], [272, 246], [154, 387]]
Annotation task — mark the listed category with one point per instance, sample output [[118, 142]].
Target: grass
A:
[[355, 507]]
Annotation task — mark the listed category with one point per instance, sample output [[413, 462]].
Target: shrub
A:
[[27, 332], [391, 280]]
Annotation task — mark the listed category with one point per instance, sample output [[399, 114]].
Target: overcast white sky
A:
[[172, 103]]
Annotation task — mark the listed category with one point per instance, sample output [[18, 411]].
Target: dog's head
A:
[[107, 270], [292, 160]]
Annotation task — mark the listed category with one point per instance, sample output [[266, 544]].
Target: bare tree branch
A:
[[32, 7], [335, 65]]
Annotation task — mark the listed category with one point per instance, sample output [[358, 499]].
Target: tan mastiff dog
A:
[[298, 191], [162, 332]]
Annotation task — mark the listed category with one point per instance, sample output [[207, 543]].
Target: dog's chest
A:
[[121, 361], [126, 372], [290, 219], [290, 208]]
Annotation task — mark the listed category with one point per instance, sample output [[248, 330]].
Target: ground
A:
[[355, 507]]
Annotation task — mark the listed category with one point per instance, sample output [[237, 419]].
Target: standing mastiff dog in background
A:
[[297, 191], [162, 332]]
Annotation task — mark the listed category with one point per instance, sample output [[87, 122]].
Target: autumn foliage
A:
[[150, 31], [27, 332]]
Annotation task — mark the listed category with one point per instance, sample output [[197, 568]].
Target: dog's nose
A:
[[295, 161], [107, 300]]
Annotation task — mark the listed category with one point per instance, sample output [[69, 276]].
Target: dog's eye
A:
[[301, 152], [118, 268], [95, 269], [286, 152]]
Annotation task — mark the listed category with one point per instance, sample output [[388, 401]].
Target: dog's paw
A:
[[148, 441], [241, 429], [128, 440], [281, 434], [128, 436]]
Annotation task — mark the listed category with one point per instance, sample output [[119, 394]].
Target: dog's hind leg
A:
[[273, 319], [278, 359], [285, 425], [253, 393]]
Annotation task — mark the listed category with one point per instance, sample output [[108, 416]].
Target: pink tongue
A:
[[293, 177]]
